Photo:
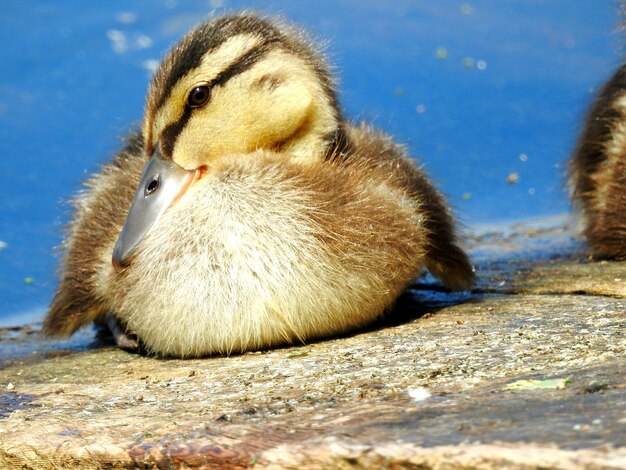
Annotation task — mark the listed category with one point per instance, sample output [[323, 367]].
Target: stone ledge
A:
[[425, 388], [332, 453]]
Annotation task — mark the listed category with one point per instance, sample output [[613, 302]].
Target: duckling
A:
[[598, 171], [248, 213]]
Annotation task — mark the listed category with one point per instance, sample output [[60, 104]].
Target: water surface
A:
[[481, 91]]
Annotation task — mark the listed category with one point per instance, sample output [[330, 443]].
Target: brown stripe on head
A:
[[222, 50], [212, 34], [239, 63], [203, 39]]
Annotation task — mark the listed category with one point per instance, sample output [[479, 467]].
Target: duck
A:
[[597, 171], [247, 213]]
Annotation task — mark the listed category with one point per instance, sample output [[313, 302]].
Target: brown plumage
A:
[[598, 171], [297, 225]]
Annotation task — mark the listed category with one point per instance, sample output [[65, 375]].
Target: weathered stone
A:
[[542, 258], [424, 388]]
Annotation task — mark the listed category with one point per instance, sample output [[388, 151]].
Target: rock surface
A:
[[442, 382]]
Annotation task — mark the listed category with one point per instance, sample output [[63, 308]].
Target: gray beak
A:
[[162, 183]]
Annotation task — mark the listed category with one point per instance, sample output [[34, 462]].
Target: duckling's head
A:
[[233, 85]]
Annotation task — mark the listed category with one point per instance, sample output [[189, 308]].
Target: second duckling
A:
[[598, 171], [248, 213]]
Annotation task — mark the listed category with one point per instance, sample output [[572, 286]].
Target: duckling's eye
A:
[[199, 96]]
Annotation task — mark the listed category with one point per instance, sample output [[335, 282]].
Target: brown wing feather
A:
[[99, 213], [389, 162]]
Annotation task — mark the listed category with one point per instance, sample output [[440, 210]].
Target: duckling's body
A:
[[598, 171], [314, 234]]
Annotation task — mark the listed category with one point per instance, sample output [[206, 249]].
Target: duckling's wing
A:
[[99, 212], [388, 161]]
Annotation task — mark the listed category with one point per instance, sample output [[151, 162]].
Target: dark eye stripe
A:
[[245, 62], [242, 64], [206, 38], [171, 133]]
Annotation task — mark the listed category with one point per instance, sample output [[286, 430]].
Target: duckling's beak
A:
[[162, 183]]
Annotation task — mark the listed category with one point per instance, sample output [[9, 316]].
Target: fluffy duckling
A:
[[247, 213], [598, 171]]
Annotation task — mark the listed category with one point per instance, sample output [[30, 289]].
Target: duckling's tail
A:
[[445, 259], [450, 264]]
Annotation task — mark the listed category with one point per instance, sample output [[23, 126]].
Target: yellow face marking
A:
[[253, 110], [279, 103], [212, 64]]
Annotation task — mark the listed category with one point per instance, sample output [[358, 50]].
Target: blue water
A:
[[478, 90]]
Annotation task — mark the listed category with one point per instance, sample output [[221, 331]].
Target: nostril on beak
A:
[[152, 185], [162, 183]]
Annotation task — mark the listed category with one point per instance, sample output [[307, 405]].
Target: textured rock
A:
[[542, 258], [425, 388]]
